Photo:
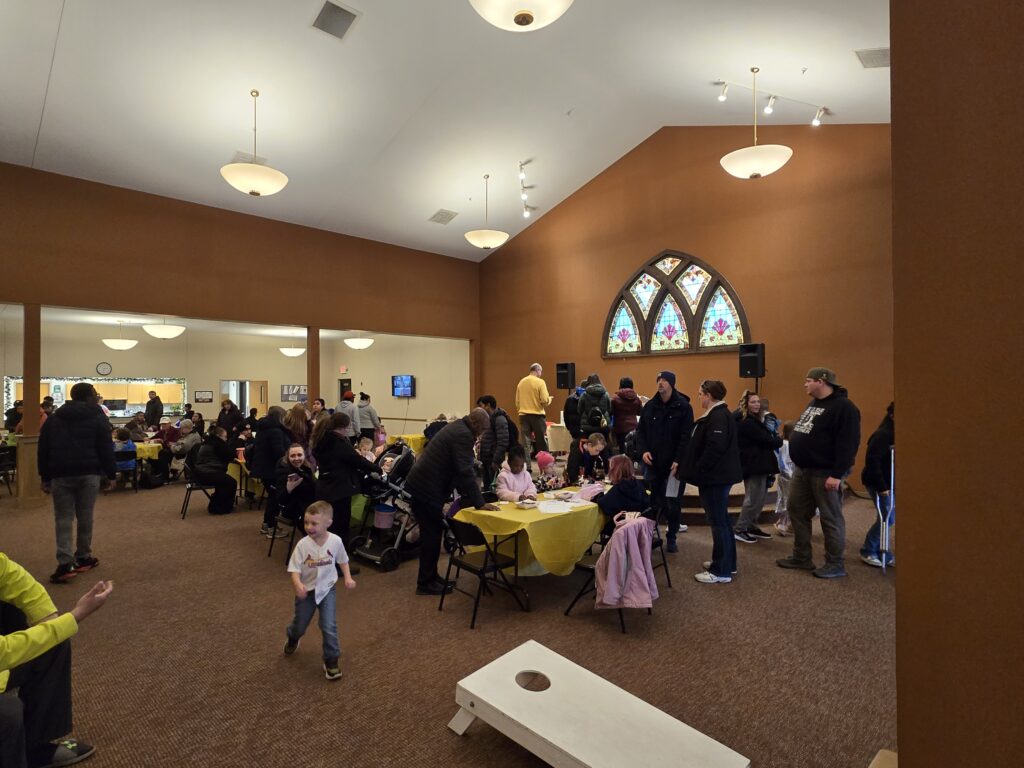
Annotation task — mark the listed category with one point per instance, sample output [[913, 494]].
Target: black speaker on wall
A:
[[565, 375], [751, 361]]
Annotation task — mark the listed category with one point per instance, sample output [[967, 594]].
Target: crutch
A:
[[885, 515]]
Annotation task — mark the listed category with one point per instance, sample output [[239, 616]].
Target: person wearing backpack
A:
[[496, 441], [595, 408], [571, 419], [626, 407]]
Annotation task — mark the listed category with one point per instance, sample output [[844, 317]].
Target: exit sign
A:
[[342, 369]]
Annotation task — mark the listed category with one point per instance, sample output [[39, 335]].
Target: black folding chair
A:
[[133, 473], [486, 564], [191, 484], [657, 543], [8, 465]]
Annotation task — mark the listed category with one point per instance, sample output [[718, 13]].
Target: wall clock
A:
[[103, 369]]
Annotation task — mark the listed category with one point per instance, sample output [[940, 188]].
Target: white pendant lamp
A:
[[760, 159], [252, 178], [486, 238], [520, 15], [163, 330], [120, 344], [292, 351], [359, 342]]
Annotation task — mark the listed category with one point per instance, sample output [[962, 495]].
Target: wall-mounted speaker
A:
[[751, 361], [565, 375]]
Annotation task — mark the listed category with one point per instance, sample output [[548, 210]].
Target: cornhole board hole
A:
[[571, 718]]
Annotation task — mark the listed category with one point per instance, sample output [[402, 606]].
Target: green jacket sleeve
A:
[[18, 588]]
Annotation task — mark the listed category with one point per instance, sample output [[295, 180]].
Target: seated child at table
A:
[[595, 457], [123, 442], [549, 479], [514, 482], [627, 494]]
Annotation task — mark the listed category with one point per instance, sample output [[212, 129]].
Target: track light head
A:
[[770, 106], [817, 117], [725, 92]]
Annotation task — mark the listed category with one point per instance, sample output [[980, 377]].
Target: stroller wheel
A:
[[389, 559], [358, 542]]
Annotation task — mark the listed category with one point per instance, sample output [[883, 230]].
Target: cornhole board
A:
[[580, 720]]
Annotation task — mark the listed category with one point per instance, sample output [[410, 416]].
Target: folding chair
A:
[[8, 465], [657, 543], [120, 456], [487, 564], [191, 484]]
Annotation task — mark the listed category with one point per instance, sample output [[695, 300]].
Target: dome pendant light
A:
[[292, 351], [520, 15], [760, 159], [120, 344], [359, 342], [486, 238], [163, 330], [252, 178]]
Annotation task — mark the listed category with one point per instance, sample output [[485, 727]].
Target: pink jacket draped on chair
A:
[[624, 576]]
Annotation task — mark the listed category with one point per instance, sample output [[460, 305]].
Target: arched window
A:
[[675, 304]]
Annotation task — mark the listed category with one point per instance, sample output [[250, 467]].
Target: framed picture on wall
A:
[[203, 396], [293, 393]]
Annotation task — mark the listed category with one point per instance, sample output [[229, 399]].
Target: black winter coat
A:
[[272, 441], [713, 454], [571, 415], [230, 419], [212, 459], [341, 468], [827, 435], [154, 411], [627, 496], [757, 447], [664, 430], [75, 440], [494, 443], [294, 504], [877, 471], [594, 396], [446, 464]]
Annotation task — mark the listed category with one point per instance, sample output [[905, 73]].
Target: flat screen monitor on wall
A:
[[403, 386]]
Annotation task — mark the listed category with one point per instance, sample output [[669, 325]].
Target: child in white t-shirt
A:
[[313, 574]]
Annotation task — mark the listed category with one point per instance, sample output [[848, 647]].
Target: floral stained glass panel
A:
[[669, 330], [721, 326], [644, 291], [692, 283], [623, 336], [667, 264]]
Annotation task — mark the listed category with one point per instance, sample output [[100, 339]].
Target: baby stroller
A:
[[387, 542]]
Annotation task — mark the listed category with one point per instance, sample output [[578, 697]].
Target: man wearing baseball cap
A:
[[823, 446]]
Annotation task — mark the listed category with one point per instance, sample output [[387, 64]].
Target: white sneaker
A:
[[707, 577], [684, 528], [707, 565], [871, 560]]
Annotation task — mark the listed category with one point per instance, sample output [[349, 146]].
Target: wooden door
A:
[[259, 396]]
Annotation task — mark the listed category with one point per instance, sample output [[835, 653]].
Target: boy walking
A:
[[313, 574]]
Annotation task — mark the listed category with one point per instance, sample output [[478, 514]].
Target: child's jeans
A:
[[304, 610], [782, 502]]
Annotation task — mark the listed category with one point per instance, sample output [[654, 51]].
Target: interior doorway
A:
[[246, 394]]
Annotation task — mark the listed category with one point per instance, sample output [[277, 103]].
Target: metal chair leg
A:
[[583, 590]]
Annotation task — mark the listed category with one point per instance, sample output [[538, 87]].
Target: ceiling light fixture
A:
[[817, 117], [359, 342], [121, 344], [770, 106], [486, 238], [520, 15], [292, 351], [163, 330], [522, 189], [725, 92], [252, 178], [758, 160]]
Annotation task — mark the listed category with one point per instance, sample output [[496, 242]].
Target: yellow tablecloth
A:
[[416, 442], [246, 482], [548, 543], [147, 450]]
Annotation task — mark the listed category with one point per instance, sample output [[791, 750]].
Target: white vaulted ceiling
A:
[[405, 114]]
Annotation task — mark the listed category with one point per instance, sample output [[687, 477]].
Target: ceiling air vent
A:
[[443, 216], [335, 20], [873, 57]]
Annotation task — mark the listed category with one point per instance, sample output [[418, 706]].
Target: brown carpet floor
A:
[[184, 665]]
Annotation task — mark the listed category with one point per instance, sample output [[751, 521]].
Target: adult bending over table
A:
[[445, 464]]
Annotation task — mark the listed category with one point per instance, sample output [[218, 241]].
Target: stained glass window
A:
[[667, 264], [623, 336], [721, 326], [692, 283], [670, 329], [644, 291]]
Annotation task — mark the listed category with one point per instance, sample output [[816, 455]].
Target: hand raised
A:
[[92, 600]]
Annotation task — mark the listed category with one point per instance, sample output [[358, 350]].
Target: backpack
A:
[[513, 432], [596, 419]]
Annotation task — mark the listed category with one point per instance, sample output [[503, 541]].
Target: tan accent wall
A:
[[958, 244], [807, 249]]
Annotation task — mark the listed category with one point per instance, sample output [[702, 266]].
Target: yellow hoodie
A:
[[18, 588]]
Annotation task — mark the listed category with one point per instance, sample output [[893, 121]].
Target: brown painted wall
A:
[[958, 243], [69, 242], [807, 249]]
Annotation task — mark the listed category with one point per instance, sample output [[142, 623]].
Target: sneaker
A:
[[69, 752], [830, 571], [791, 562], [291, 645], [745, 537], [707, 566], [671, 546], [280, 533], [331, 670], [65, 572], [265, 530], [684, 528], [871, 560], [757, 533], [433, 588], [782, 530], [86, 564], [707, 577]]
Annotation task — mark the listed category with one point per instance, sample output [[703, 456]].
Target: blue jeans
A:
[[73, 501], [715, 499], [873, 541], [304, 610]]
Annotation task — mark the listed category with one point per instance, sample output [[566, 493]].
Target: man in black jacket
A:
[[495, 441], [75, 451], [445, 464], [662, 433], [823, 447], [154, 410]]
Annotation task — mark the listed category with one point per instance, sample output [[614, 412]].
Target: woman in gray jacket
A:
[[369, 421]]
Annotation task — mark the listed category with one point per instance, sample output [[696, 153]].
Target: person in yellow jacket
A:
[[531, 399], [36, 662]]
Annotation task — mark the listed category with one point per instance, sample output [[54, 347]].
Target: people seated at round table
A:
[[514, 482], [627, 494]]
